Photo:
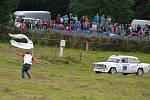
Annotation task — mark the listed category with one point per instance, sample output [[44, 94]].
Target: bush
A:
[[48, 38]]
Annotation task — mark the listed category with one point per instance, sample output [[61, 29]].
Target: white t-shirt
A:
[[27, 59], [94, 27], [17, 24]]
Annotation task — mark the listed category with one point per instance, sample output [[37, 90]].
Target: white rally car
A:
[[122, 64]]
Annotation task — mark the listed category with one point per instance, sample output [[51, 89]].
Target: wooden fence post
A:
[[87, 46]]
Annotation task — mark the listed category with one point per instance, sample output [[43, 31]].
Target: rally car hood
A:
[[105, 63]]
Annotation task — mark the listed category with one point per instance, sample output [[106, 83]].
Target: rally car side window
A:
[[133, 60], [124, 60]]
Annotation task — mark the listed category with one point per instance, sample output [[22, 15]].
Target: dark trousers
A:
[[25, 69]]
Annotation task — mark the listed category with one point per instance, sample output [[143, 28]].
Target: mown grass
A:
[[69, 78]]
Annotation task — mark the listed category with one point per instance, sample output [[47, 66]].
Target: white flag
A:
[[15, 41]]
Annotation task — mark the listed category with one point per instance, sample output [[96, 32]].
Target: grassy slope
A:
[[67, 79]]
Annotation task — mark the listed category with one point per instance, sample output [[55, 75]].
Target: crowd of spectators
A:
[[98, 25]]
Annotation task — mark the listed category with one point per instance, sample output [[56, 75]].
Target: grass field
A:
[[69, 78]]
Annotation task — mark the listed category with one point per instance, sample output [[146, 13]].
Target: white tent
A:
[[33, 14]]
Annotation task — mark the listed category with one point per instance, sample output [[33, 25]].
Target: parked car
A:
[[142, 23], [122, 64]]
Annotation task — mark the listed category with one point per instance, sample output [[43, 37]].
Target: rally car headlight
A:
[[105, 67]]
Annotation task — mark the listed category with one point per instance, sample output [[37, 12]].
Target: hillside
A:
[[68, 78]]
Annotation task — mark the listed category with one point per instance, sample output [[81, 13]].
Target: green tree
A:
[[142, 9], [6, 9], [120, 10], [54, 6]]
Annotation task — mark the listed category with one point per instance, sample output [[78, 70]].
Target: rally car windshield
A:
[[116, 60]]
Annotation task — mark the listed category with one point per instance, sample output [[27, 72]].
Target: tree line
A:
[[122, 11]]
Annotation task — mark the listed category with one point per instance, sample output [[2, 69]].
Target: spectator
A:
[[149, 27], [28, 59], [108, 20], [71, 19], [58, 19], [50, 22], [54, 25], [76, 18], [23, 25], [103, 20], [140, 33], [138, 28], [85, 19], [66, 20], [86, 26], [97, 19], [61, 21], [77, 27], [17, 24], [114, 28], [119, 30], [94, 26]]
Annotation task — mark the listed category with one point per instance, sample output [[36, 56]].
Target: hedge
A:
[[49, 38]]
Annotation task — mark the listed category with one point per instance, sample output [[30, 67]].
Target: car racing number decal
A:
[[124, 68]]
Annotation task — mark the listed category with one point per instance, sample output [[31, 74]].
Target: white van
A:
[[33, 14], [142, 23]]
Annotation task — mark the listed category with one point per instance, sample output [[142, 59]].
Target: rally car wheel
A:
[[140, 72], [113, 71]]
